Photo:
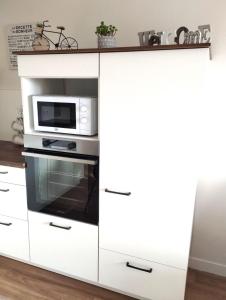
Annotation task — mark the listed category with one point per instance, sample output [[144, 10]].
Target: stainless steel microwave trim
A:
[[53, 157]]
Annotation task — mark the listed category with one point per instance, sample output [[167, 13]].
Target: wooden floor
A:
[[205, 286], [23, 282]]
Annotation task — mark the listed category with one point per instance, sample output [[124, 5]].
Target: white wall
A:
[[80, 17]]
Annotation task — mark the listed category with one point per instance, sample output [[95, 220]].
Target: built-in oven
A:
[[61, 181]]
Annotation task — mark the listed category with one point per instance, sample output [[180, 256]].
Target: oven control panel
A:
[[59, 144], [76, 145]]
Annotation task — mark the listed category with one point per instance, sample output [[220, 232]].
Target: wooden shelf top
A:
[[10, 155], [117, 49]]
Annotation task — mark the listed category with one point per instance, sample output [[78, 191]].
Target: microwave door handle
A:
[[53, 157]]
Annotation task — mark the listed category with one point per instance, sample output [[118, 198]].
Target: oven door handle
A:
[[69, 159]]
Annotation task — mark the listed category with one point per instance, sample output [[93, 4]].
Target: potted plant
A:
[[106, 35]]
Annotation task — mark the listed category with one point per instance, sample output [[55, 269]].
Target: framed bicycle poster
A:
[[19, 38]]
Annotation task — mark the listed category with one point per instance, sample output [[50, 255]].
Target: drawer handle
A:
[[6, 224], [4, 191], [140, 269], [4, 173], [118, 193], [58, 226]]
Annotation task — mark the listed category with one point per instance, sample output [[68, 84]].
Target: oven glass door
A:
[[68, 189], [56, 114]]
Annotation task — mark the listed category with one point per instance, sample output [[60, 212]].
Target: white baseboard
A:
[[207, 266]]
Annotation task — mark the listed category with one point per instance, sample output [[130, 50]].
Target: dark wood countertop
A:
[[10, 155], [117, 49]]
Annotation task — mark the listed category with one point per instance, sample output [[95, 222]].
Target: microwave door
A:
[[57, 116]]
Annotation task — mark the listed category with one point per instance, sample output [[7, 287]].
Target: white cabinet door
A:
[[12, 175], [149, 136], [13, 200], [141, 278], [14, 238], [59, 66], [63, 245]]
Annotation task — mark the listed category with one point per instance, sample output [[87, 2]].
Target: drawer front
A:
[[13, 200], [14, 238], [67, 246], [162, 283], [147, 225], [63, 66], [12, 175]]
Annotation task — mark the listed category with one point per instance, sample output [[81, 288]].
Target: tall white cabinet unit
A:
[[68, 246], [150, 133], [150, 105]]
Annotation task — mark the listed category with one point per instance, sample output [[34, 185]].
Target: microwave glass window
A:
[[61, 115], [64, 189]]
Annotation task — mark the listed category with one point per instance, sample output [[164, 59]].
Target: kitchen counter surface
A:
[[10, 155]]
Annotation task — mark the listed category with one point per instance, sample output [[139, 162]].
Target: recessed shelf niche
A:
[[53, 86]]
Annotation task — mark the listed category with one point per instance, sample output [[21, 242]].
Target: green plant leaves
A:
[[105, 30]]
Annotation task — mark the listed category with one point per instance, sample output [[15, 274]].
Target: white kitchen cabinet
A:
[[13, 196], [150, 130], [13, 200], [13, 213], [141, 278], [63, 245], [59, 66], [12, 175], [14, 238], [150, 108]]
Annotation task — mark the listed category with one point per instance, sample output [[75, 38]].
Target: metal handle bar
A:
[[59, 226], [118, 193], [4, 190], [6, 224], [137, 268]]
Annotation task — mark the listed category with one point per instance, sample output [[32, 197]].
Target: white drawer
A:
[[12, 175], [61, 66], [14, 238], [163, 283], [13, 200], [64, 245], [148, 227]]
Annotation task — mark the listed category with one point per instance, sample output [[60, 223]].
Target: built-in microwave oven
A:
[[65, 114]]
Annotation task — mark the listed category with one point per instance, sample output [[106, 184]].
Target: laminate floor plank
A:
[[19, 281], [205, 286]]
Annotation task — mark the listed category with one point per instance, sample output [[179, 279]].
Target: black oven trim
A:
[[62, 154]]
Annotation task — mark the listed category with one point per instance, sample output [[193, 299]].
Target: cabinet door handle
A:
[[140, 269], [4, 173], [5, 191], [118, 193], [58, 226], [6, 224]]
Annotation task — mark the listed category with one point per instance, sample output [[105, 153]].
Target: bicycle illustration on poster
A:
[[42, 41]]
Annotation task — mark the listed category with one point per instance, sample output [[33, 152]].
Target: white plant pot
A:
[[106, 42]]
